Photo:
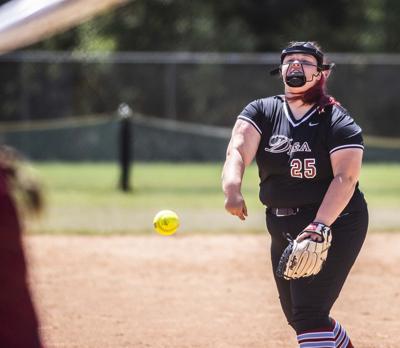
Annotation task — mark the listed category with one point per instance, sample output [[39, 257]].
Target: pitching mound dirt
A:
[[194, 291]]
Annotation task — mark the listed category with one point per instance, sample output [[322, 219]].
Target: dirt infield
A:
[[194, 291]]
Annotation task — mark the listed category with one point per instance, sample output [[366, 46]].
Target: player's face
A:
[[297, 63]]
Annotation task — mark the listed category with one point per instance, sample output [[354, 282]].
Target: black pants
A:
[[307, 302]]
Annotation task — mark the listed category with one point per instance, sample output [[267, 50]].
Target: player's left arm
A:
[[346, 166]]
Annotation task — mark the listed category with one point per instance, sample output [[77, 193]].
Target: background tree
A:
[[238, 25], [211, 93]]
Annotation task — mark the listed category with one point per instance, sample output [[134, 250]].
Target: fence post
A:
[[125, 146]]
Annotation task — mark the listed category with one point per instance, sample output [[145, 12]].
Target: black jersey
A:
[[293, 157]]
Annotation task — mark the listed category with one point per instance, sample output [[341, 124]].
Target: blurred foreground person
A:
[[18, 320]]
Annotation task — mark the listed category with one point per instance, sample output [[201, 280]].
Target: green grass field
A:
[[83, 198]]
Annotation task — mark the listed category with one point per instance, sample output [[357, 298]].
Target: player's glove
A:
[[305, 258]]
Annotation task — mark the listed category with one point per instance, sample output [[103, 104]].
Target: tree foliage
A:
[[210, 93], [238, 25]]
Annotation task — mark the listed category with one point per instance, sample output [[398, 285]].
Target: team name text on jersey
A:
[[281, 143]]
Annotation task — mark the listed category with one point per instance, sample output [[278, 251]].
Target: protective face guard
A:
[[296, 79], [305, 48]]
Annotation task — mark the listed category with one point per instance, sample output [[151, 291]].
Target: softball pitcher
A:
[[309, 152]]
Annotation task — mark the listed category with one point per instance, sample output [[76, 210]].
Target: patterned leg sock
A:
[[342, 340], [325, 338]]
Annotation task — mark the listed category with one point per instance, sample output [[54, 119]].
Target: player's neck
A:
[[298, 107]]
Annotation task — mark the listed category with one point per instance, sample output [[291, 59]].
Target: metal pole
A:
[[125, 146]]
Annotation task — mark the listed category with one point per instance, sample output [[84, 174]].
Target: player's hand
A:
[[307, 235], [235, 205]]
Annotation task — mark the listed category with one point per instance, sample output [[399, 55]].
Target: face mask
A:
[[296, 79]]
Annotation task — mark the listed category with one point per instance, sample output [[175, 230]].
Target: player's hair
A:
[[317, 93], [22, 183]]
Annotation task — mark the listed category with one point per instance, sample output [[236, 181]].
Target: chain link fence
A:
[[194, 89]]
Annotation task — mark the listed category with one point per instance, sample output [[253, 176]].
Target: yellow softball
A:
[[166, 222]]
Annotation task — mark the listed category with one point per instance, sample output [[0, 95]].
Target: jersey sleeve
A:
[[344, 133], [253, 114]]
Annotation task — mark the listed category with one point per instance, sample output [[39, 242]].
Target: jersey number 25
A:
[[298, 170]]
